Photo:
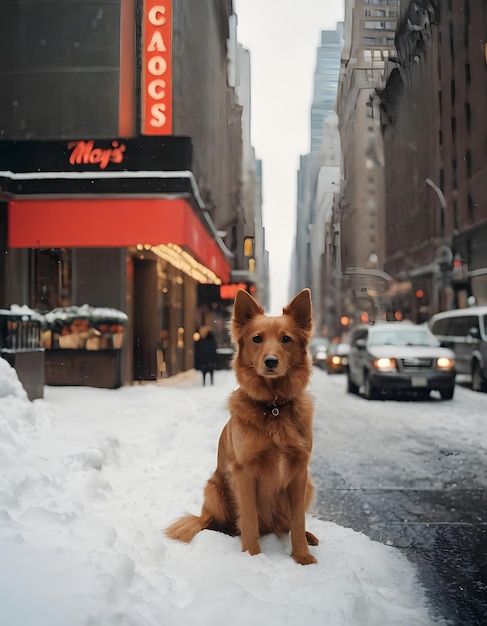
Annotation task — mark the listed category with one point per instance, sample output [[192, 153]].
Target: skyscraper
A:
[[325, 84]]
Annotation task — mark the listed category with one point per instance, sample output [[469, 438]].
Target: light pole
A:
[[443, 257], [442, 200]]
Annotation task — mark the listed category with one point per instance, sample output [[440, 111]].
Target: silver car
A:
[[399, 357]]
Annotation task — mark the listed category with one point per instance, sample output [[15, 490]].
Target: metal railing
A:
[[19, 332]]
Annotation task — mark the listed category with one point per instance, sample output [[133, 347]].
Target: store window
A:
[[50, 278]]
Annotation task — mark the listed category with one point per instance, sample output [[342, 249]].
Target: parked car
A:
[[318, 350], [392, 357], [337, 358], [465, 332]]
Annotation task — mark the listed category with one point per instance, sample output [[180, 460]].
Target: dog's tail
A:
[[185, 528]]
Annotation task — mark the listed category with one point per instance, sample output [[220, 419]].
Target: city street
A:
[[89, 477], [411, 474]]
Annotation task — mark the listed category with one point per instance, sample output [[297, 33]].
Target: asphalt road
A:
[[410, 474]]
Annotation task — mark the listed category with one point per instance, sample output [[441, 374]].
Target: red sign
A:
[[84, 153], [157, 68], [228, 292]]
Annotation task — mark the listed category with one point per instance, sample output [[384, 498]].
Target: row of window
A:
[[376, 55], [378, 41], [376, 25], [380, 13]]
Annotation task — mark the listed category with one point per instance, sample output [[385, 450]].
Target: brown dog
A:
[[261, 484]]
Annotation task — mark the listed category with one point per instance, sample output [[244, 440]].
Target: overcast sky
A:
[[282, 36]]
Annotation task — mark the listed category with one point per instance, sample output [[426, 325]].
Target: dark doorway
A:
[[145, 320]]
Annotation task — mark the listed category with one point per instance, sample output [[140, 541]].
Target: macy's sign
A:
[[85, 153]]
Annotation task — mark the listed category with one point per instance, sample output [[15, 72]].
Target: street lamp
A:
[[443, 256], [442, 200]]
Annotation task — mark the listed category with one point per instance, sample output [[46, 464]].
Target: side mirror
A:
[[474, 332], [361, 343]]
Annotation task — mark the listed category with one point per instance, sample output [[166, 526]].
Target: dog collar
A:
[[274, 406]]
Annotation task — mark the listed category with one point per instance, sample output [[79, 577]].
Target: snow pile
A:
[[10, 386], [91, 476]]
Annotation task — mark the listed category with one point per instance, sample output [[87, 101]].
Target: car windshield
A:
[[403, 337], [339, 348]]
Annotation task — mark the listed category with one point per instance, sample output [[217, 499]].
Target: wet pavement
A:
[[443, 532], [413, 475]]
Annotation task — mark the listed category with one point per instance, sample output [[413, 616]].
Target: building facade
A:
[[368, 44], [317, 184], [121, 159], [434, 128]]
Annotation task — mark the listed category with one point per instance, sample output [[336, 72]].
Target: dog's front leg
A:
[[297, 497], [248, 520]]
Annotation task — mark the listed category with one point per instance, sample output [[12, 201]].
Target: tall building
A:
[[121, 172], [368, 43], [433, 115], [324, 151], [325, 83]]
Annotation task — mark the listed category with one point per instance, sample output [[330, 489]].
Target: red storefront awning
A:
[[112, 222]]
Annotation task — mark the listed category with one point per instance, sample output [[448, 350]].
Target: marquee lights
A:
[[182, 260]]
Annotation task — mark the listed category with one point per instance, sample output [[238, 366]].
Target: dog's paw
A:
[[304, 559], [252, 549]]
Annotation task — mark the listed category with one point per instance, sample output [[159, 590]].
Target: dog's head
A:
[[272, 348]]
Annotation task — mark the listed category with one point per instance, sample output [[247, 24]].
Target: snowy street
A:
[[89, 477], [411, 474]]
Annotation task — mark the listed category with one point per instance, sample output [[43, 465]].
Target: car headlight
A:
[[384, 364], [445, 364], [336, 360]]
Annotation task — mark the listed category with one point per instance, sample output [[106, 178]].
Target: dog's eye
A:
[[257, 339], [286, 339]]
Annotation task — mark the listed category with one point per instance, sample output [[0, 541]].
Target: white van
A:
[[465, 332]]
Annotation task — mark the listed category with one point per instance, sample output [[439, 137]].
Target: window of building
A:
[[50, 282], [468, 162], [249, 246], [470, 208], [468, 116]]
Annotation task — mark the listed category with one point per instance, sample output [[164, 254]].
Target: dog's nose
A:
[[271, 361]]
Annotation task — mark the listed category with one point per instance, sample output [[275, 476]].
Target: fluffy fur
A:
[[261, 483]]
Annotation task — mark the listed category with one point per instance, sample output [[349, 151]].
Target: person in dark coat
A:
[[205, 355]]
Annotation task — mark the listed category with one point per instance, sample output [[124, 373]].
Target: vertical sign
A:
[[157, 68]]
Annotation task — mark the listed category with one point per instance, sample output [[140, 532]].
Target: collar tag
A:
[[275, 411]]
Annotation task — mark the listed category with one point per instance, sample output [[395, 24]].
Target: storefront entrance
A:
[[146, 328]]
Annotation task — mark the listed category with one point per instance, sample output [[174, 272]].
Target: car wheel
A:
[[370, 392], [351, 386], [447, 394], [478, 381]]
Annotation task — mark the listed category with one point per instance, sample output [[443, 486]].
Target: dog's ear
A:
[[245, 308], [300, 310]]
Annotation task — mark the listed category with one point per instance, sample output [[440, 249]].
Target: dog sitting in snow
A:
[[261, 484]]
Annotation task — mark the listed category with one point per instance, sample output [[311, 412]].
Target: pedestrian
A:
[[205, 355]]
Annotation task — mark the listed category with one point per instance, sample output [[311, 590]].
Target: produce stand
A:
[[83, 346]]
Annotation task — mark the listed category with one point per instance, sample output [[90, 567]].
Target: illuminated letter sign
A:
[[157, 68], [85, 153]]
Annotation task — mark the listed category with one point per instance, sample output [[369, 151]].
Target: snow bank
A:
[[88, 479]]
